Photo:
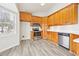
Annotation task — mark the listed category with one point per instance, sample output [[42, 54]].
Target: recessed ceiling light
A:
[[42, 4]]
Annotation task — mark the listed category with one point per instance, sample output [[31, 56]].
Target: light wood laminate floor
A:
[[36, 48]]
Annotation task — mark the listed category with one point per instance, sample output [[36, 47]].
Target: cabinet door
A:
[[44, 20], [50, 20], [63, 16], [49, 35], [39, 20], [44, 31], [54, 37], [56, 19], [60, 18], [74, 50], [25, 16], [73, 46], [77, 49], [36, 19], [71, 14], [74, 14]]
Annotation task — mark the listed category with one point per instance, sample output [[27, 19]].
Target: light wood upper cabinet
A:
[[36, 19], [56, 17], [44, 20], [50, 20], [24, 16], [40, 20], [71, 13], [65, 16], [75, 13]]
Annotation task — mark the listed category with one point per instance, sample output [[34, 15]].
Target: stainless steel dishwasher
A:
[[64, 40]]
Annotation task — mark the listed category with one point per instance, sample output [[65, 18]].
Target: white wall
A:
[[8, 40], [67, 28], [25, 30], [42, 14]]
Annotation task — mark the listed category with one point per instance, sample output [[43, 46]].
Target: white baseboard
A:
[[25, 39]]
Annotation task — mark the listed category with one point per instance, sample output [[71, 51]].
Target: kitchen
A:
[[60, 32], [49, 29]]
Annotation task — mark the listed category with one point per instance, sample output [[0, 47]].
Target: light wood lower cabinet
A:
[[53, 36], [49, 34], [32, 35], [77, 49], [44, 31], [74, 47]]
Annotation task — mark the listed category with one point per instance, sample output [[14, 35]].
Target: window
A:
[[7, 20]]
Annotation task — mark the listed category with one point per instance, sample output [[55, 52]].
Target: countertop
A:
[[76, 40]]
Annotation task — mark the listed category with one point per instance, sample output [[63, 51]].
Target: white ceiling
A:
[[34, 7], [38, 10]]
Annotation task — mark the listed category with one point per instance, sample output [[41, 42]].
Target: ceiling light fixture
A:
[[42, 4]]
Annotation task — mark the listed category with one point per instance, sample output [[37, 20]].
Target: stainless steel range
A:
[[37, 31]]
